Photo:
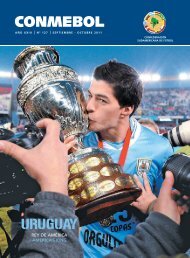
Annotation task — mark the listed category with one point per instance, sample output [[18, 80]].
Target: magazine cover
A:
[[94, 112]]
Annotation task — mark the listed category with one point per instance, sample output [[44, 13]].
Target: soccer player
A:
[[113, 97]]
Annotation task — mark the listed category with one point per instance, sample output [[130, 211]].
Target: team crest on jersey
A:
[[143, 165], [106, 222]]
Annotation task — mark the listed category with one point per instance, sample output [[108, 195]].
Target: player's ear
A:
[[126, 111]]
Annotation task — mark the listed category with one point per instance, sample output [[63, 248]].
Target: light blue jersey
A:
[[147, 153]]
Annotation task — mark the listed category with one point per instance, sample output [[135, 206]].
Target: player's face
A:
[[103, 108]]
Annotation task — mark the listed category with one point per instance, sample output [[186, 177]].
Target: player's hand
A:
[[70, 142], [167, 203], [147, 197], [47, 162]]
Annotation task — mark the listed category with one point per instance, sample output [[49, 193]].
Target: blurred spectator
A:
[[149, 124], [165, 102]]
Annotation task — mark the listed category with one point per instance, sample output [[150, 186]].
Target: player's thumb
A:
[[167, 184]]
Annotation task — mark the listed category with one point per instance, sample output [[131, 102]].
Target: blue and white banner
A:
[[140, 22]]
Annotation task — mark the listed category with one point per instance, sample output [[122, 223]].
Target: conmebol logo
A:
[[58, 21]]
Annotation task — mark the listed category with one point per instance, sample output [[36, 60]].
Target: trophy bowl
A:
[[50, 90]]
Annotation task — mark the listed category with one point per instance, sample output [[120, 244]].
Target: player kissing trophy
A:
[[51, 90]]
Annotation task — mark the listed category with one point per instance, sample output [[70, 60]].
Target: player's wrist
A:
[[55, 184], [151, 206]]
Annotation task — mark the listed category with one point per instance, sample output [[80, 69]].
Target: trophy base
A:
[[106, 206]]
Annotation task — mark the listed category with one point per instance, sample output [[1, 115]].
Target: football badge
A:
[[154, 22], [107, 221], [143, 166]]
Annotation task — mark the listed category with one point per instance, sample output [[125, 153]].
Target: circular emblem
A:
[[106, 186], [76, 168], [121, 181], [154, 22], [92, 162], [92, 190], [89, 192], [91, 176], [84, 195], [75, 184], [106, 171]]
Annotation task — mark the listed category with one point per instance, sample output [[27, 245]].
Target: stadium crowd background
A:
[[167, 107]]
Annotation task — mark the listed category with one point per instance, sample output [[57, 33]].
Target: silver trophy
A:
[[50, 90]]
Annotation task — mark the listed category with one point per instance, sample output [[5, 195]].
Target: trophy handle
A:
[[80, 142]]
